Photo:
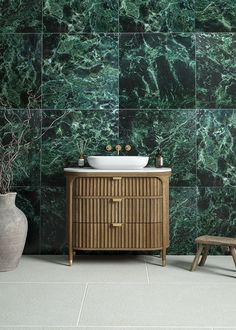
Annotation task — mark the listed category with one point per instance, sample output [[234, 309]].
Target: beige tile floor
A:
[[118, 292]]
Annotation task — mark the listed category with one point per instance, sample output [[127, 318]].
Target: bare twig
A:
[[14, 139]]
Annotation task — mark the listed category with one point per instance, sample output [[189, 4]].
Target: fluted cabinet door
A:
[[119, 212]]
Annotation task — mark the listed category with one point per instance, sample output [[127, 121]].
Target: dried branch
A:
[[14, 139]]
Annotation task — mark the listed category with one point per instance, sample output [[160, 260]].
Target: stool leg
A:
[[233, 253], [196, 259], [204, 255]]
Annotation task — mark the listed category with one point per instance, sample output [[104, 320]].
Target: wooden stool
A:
[[204, 243]]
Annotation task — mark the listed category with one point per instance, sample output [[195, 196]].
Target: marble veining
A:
[[156, 15], [170, 69], [183, 224], [157, 71], [170, 130], [53, 224], [26, 168], [216, 70], [216, 211], [28, 200], [80, 15], [80, 71], [216, 139], [60, 142], [20, 70], [215, 16], [20, 16]]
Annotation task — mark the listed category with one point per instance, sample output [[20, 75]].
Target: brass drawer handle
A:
[[117, 224], [116, 178], [116, 200]]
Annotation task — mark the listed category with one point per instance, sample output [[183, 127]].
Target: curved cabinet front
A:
[[117, 211], [117, 236]]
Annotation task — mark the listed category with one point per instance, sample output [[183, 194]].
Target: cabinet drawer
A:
[[127, 210], [117, 186], [127, 236], [141, 210], [95, 210]]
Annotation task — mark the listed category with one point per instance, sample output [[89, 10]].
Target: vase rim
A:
[[9, 193]]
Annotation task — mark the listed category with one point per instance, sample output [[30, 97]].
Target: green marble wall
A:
[[146, 72]]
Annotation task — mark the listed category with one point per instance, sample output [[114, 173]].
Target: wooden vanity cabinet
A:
[[118, 211]]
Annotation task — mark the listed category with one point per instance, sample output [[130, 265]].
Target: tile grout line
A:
[[118, 64], [41, 140], [121, 283], [74, 282], [148, 280], [196, 131], [82, 304], [187, 327]]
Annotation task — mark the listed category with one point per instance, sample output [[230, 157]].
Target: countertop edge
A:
[[93, 170]]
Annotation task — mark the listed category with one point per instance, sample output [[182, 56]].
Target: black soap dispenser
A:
[[159, 158]]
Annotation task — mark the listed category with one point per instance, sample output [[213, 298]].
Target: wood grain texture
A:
[[204, 242], [127, 210], [112, 186], [125, 236], [216, 240], [121, 211]]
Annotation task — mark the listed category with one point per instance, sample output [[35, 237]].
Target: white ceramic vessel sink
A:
[[118, 162]]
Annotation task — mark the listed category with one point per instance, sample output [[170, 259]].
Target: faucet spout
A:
[[118, 149]]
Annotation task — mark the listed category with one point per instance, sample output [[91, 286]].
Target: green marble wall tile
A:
[[28, 200], [183, 220], [146, 130], [59, 143], [20, 16], [80, 15], [157, 71], [53, 220], [20, 71], [216, 212], [157, 16], [216, 137], [26, 168], [149, 70], [216, 70], [215, 16], [80, 71]]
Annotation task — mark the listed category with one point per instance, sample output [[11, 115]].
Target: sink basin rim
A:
[[111, 162]]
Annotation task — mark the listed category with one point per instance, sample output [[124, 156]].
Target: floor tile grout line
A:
[[147, 275], [124, 283], [187, 327], [87, 282], [82, 304]]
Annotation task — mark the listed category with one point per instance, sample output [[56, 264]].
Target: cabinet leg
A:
[[70, 257], [163, 257]]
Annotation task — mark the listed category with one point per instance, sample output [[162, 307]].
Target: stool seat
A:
[[216, 240], [204, 242]]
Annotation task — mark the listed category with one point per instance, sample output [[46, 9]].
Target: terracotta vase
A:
[[13, 231]]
